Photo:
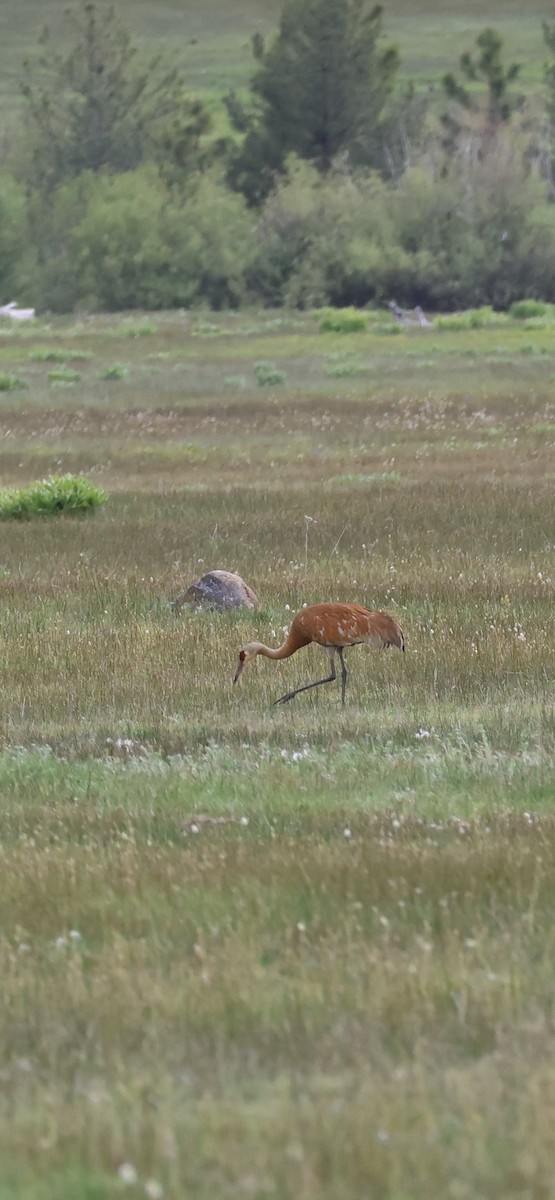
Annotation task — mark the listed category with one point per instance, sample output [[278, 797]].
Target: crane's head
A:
[[246, 655]]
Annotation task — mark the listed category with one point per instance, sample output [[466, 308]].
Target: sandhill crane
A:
[[221, 590], [333, 626]]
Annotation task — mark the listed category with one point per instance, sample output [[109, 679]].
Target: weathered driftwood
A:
[[409, 316], [219, 590], [17, 314]]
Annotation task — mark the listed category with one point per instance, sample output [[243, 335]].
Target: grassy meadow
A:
[[293, 953], [211, 39]]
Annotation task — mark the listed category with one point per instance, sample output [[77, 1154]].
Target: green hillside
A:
[[213, 38]]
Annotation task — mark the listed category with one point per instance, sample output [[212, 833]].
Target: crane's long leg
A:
[[317, 682], [343, 673]]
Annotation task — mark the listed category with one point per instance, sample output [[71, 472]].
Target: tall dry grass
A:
[[279, 953]]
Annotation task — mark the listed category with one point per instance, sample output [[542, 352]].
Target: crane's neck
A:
[[289, 646]]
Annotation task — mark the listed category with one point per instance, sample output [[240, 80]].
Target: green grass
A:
[[50, 497], [298, 952], [213, 41], [11, 383]]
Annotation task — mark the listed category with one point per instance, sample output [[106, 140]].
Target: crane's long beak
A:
[[240, 666]]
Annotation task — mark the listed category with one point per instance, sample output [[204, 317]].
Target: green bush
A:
[[473, 318], [60, 493], [17, 253], [521, 309], [342, 320], [64, 375], [9, 383], [116, 371], [478, 317], [268, 375], [142, 329], [121, 242], [315, 239]]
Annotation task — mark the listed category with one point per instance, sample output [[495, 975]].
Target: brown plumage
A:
[[332, 626], [220, 590]]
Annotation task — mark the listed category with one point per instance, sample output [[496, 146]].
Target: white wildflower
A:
[[153, 1189], [128, 1173]]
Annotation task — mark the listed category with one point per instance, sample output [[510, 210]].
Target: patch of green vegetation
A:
[[206, 328], [341, 320], [543, 427], [10, 383], [60, 355], [521, 309], [115, 371], [473, 318], [139, 329], [58, 494], [388, 327], [268, 375], [235, 381], [363, 480], [64, 375], [537, 323]]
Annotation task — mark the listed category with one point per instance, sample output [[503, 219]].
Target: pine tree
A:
[[321, 88], [471, 115], [97, 105]]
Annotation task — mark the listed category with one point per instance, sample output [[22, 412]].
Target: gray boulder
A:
[[219, 590]]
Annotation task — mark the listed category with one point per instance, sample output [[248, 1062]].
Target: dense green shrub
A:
[[453, 234], [268, 375], [17, 253], [478, 230], [315, 240], [521, 309], [342, 320], [57, 494], [116, 371], [473, 318], [211, 246], [116, 243], [117, 248], [10, 383]]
